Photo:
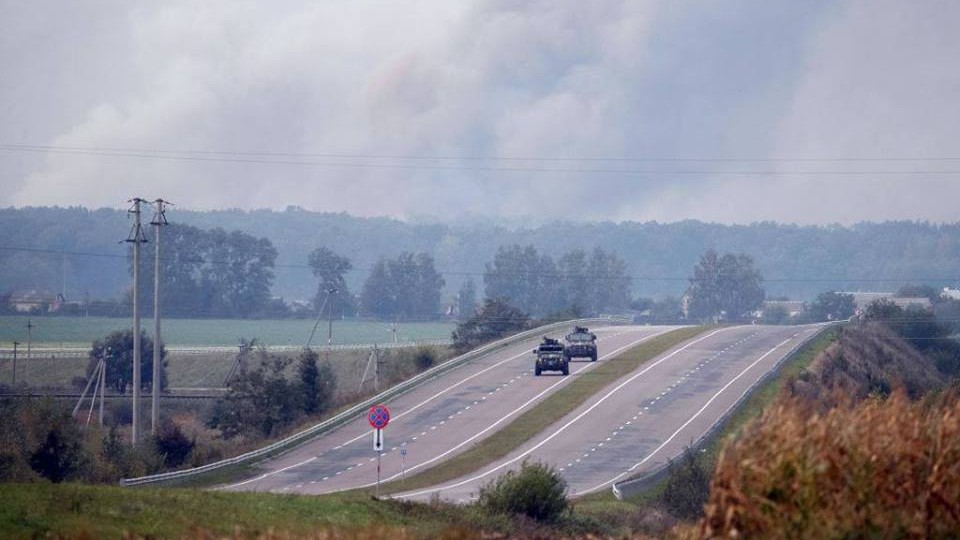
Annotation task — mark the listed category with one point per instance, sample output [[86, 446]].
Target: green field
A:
[[81, 331]]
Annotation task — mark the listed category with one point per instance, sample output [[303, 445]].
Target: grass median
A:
[[545, 413]]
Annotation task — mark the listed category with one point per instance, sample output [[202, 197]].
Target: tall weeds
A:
[[883, 468]]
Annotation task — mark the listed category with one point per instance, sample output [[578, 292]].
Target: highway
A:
[[647, 417], [435, 421]]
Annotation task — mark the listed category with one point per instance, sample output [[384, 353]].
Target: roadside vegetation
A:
[[268, 397]]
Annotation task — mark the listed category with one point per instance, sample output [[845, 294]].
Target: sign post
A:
[[378, 417], [403, 465]]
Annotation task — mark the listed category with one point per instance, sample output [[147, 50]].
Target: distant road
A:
[[649, 416], [436, 421]]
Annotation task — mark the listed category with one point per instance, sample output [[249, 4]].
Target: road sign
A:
[[403, 451], [378, 440], [379, 416]]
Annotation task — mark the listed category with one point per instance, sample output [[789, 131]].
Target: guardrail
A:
[[357, 411], [632, 486]]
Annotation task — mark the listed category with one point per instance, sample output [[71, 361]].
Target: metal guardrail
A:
[[632, 486], [357, 411]]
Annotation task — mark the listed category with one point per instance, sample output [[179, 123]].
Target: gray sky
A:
[[200, 97]]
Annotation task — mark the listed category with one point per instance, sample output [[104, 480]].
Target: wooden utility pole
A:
[[136, 237]]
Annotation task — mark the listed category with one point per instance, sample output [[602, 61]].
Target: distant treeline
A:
[[797, 261]]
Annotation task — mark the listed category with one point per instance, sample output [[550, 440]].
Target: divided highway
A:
[[433, 422], [648, 416]]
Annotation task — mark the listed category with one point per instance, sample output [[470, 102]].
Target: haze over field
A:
[[133, 97]]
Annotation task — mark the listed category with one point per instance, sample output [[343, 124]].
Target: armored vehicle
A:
[[581, 343], [550, 357]]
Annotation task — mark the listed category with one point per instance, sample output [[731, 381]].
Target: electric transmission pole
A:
[[15, 343], [26, 367], [330, 293], [136, 237], [159, 220]]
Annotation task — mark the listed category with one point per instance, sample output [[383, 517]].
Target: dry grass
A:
[[866, 359], [884, 468]]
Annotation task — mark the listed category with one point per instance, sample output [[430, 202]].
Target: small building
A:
[[952, 294], [34, 300]]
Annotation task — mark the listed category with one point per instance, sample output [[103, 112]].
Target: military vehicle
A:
[[581, 343], [550, 357]]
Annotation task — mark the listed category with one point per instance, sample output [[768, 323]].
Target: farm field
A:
[[81, 331]]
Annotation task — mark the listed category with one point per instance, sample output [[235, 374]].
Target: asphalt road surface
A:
[[433, 422], [649, 416]]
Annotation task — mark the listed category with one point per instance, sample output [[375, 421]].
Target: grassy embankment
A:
[[545, 413], [80, 511]]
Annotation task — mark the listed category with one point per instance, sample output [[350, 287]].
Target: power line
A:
[[474, 273], [217, 157], [441, 157]]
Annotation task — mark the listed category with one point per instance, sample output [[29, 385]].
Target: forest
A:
[[78, 250]]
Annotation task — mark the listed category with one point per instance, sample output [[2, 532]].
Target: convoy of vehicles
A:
[[552, 355]]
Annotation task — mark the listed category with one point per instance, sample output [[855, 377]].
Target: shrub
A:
[[536, 491], [317, 382], [424, 358], [687, 486], [258, 402], [172, 444], [61, 455]]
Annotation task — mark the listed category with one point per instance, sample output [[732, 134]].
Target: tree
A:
[[404, 288], [919, 291], [610, 284], [832, 306], [495, 319], [317, 382], [523, 277], [775, 314], [377, 297], [258, 402], [467, 299], [238, 273], [116, 349], [330, 269], [724, 287]]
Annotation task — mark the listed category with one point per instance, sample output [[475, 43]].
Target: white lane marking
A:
[[571, 422], [401, 415], [521, 407], [691, 419]]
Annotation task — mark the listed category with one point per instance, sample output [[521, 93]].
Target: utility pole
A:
[[26, 366], [330, 292], [63, 277], [15, 343], [103, 383], [136, 237], [159, 220]]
